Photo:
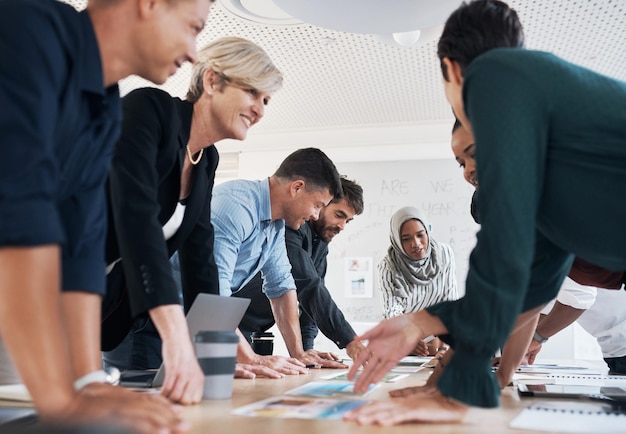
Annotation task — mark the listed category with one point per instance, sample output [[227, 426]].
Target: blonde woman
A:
[[160, 183]]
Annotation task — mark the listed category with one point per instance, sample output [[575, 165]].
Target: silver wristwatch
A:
[[539, 338]]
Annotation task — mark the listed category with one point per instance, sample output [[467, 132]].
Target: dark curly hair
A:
[[477, 27]]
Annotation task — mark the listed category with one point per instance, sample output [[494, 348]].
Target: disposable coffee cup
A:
[[262, 343], [217, 355]]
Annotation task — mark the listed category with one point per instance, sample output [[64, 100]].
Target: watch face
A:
[[113, 375]]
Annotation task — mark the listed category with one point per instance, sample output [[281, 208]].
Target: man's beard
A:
[[329, 233]]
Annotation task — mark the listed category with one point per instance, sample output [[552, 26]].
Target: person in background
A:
[[464, 150], [575, 301], [418, 271], [60, 116], [249, 218], [160, 188], [599, 312], [307, 249], [548, 164], [605, 320]]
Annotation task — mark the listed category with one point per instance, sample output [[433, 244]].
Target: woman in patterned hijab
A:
[[417, 271]]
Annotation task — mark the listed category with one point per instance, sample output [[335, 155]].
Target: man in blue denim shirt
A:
[[60, 116], [307, 249]]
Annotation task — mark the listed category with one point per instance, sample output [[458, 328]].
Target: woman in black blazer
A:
[[160, 187]]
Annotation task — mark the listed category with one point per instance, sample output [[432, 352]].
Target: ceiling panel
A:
[[337, 80]]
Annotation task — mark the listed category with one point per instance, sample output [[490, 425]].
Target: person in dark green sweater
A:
[[551, 153]]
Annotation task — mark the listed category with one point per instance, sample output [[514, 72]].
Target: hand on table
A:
[[437, 348], [416, 408], [506, 368], [441, 351], [389, 341], [184, 378], [421, 349], [243, 370], [321, 359], [533, 350], [354, 348], [425, 391], [283, 365], [144, 413]]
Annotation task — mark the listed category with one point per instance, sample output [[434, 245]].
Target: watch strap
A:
[[108, 376], [539, 338]]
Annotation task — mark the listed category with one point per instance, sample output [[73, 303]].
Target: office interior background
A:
[[362, 85]]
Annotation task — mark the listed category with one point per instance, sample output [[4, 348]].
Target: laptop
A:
[[208, 312], [17, 417]]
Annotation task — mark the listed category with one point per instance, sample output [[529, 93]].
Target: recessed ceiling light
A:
[[260, 12], [370, 16], [411, 39]]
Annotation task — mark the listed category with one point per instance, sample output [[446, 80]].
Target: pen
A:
[[313, 366]]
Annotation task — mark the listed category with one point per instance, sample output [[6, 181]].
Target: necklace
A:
[[197, 160]]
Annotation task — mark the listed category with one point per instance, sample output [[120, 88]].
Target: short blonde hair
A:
[[236, 61]]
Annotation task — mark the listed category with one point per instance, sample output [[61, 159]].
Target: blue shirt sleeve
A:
[[276, 271], [233, 223]]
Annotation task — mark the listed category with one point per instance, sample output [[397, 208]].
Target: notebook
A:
[[17, 417], [208, 312], [588, 380], [571, 417], [14, 392]]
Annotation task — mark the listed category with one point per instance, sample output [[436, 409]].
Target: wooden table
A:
[[215, 417]]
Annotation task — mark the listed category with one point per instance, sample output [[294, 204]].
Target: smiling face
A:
[[464, 148], [333, 219], [304, 204], [236, 110], [414, 239], [167, 38]]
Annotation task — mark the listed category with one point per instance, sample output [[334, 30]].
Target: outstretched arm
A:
[[389, 341], [40, 349], [308, 267], [30, 290], [285, 309], [184, 379], [514, 350], [559, 317]]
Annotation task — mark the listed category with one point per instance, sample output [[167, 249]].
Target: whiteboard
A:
[[436, 187]]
